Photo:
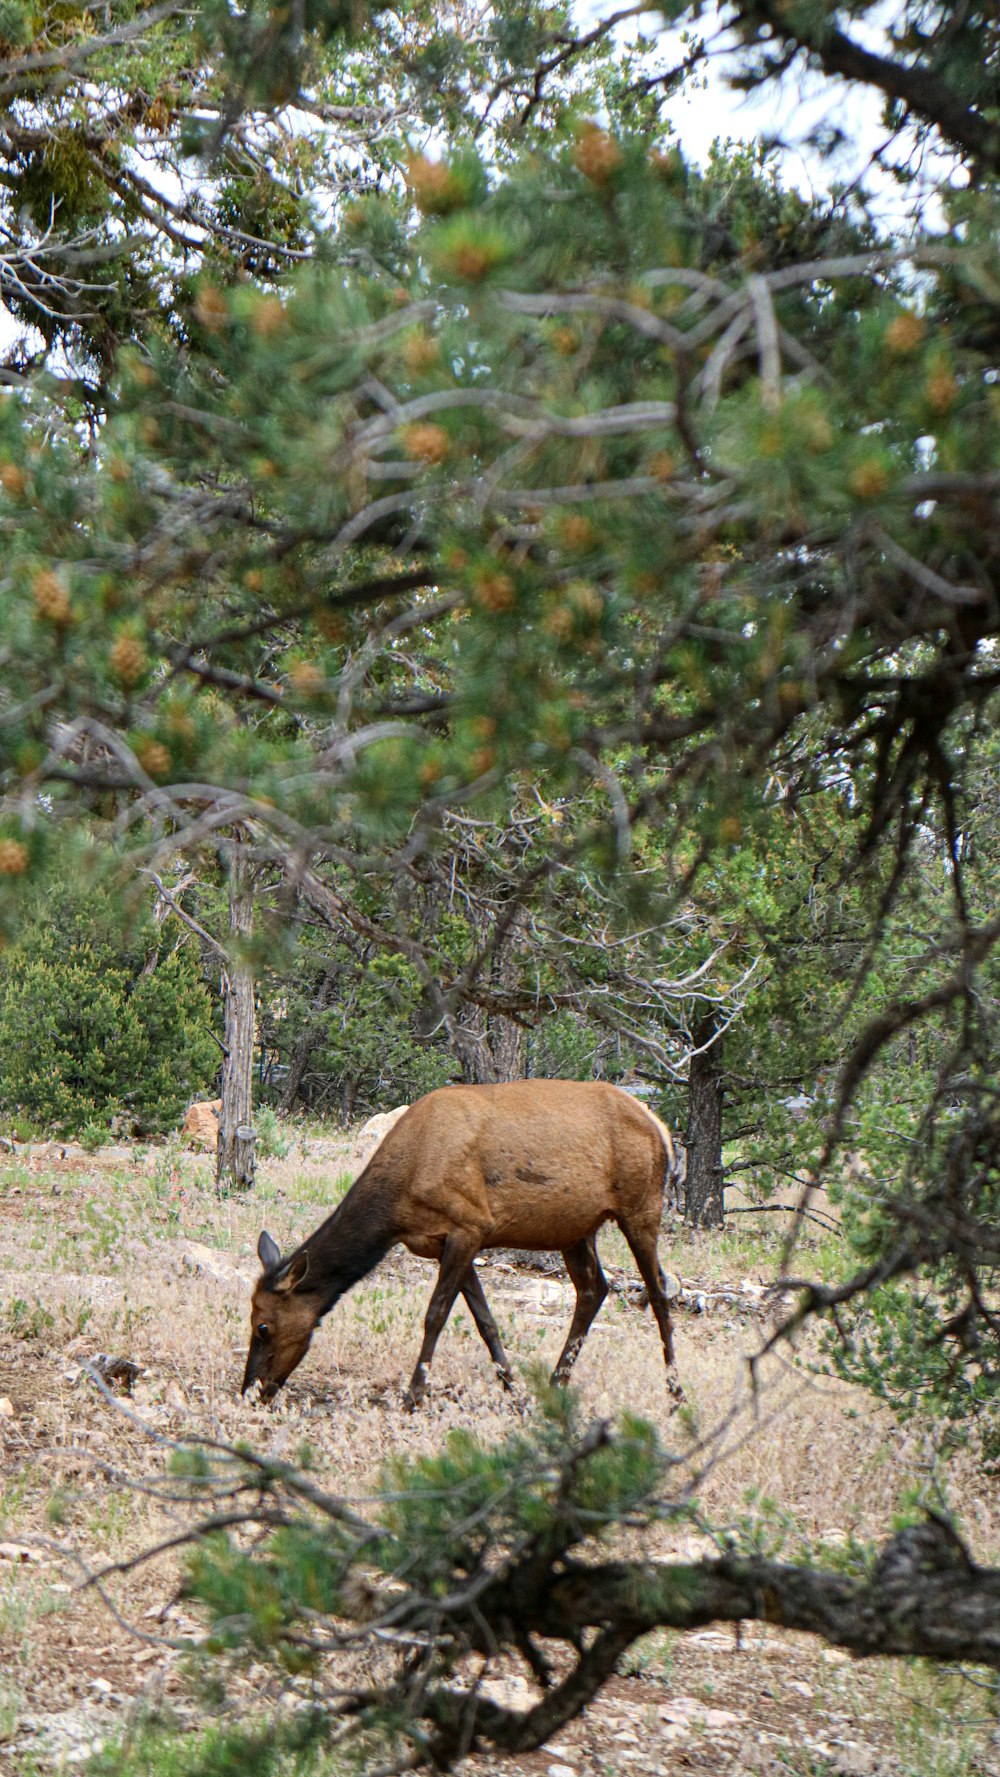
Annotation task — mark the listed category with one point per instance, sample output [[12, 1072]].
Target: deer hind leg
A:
[[644, 1244], [456, 1261], [479, 1308], [584, 1268]]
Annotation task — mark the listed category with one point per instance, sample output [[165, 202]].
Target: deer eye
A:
[[263, 1330]]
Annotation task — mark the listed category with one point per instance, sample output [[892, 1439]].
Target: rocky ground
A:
[[131, 1255]]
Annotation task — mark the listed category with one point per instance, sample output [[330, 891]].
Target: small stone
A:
[[201, 1258], [562, 1771], [121, 1372], [720, 1718], [18, 1552], [855, 1761], [679, 1710], [6, 1407]]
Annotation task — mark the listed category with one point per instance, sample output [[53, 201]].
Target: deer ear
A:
[[267, 1251], [296, 1274]]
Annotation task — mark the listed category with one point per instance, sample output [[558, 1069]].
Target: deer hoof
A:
[[414, 1395]]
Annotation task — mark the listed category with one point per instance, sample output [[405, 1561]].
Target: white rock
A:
[[373, 1133], [720, 1718], [18, 1552], [201, 1258]]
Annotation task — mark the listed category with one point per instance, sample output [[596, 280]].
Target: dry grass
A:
[[134, 1254]]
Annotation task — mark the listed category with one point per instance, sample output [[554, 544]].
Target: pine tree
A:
[[97, 1026]]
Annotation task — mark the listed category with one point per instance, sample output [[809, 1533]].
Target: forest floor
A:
[[132, 1253]]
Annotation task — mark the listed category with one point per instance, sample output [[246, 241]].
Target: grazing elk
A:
[[537, 1163]]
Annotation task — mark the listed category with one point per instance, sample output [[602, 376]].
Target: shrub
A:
[[357, 1021], [97, 1022], [272, 1142]]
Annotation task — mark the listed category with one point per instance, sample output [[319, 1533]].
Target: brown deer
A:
[[537, 1163]]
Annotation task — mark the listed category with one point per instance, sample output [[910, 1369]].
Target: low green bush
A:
[[98, 1022]]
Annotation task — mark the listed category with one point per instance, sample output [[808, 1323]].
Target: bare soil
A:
[[131, 1254]]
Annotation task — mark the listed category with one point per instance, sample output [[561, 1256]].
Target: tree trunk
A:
[[507, 1043], [297, 1069], [302, 1053], [234, 1165], [492, 1046], [703, 1207]]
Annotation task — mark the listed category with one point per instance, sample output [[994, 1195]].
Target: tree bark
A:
[[506, 1038], [915, 85], [925, 1596], [302, 1053], [703, 1205], [492, 1046], [234, 1163]]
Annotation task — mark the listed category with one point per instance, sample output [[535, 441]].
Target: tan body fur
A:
[[540, 1164]]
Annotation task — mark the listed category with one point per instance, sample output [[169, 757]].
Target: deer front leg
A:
[[456, 1259]]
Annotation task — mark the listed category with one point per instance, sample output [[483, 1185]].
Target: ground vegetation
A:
[[615, 540]]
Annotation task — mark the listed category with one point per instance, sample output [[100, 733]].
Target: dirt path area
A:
[[132, 1255]]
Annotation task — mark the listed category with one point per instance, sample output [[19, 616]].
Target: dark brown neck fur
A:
[[349, 1244]]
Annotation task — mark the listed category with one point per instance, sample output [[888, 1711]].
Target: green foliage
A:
[[894, 1347], [353, 1023], [63, 175], [441, 1524], [234, 188], [584, 553], [228, 1750], [272, 1143], [446, 1512], [441, 1518], [97, 1023], [16, 24], [27, 1320], [463, 1562], [564, 1049], [371, 1038], [92, 1136]]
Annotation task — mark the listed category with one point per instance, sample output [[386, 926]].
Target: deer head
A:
[[283, 1319]]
